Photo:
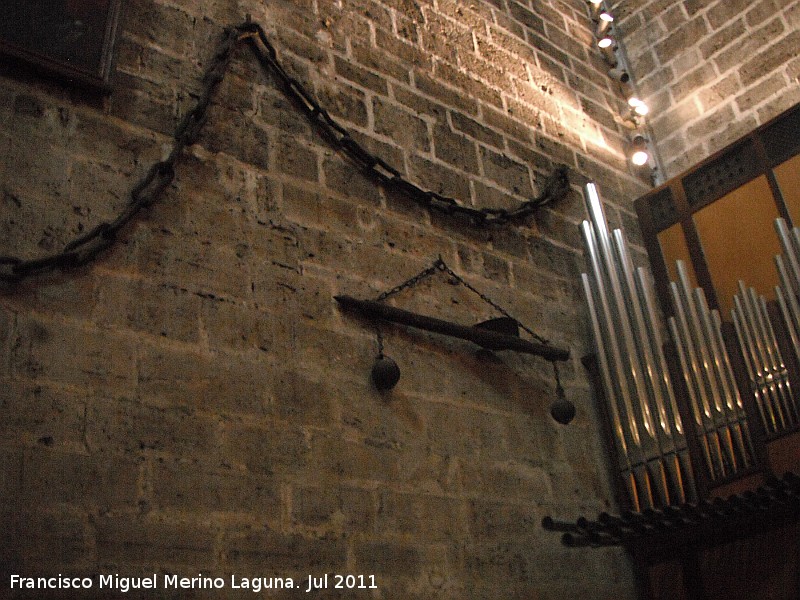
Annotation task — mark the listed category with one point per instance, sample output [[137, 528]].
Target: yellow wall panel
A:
[[788, 176], [674, 248], [737, 233]]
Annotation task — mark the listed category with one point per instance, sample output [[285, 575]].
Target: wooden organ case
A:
[[703, 419]]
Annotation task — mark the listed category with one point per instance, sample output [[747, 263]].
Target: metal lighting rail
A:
[[652, 450]]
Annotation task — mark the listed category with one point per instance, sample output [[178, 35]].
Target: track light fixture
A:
[[602, 28], [605, 42], [620, 75], [595, 8], [640, 155], [616, 58], [638, 105], [610, 56]]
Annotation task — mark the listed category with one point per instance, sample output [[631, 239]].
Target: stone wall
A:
[[711, 70], [194, 401]]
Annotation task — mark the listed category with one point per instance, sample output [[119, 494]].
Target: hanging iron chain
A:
[[407, 284], [555, 187], [88, 246], [150, 187], [413, 281], [492, 303], [440, 266]]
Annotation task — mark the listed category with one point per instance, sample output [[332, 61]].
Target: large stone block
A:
[[94, 483], [456, 150], [338, 458], [123, 427], [306, 397], [335, 508], [360, 76], [422, 518], [388, 558], [73, 353], [34, 414], [295, 159], [151, 540], [280, 552], [181, 486], [46, 541], [261, 450], [770, 59], [156, 309], [408, 131], [684, 37]]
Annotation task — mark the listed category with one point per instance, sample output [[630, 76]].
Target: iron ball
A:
[[563, 411], [385, 373]]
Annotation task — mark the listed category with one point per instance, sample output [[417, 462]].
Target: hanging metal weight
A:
[[562, 410], [385, 373]]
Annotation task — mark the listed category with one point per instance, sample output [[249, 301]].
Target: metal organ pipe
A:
[[642, 406]]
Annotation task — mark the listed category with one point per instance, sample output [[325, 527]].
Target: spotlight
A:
[[605, 42], [640, 155], [641, 109], [634, 101], [606, 16], [601, 29], [610, 56], [620, 75]]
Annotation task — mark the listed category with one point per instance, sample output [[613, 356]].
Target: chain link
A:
[[440, 266], [493, 304], [412, 281], [148, 190]]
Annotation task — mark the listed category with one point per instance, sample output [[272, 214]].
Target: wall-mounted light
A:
[[605, 42], [638, 105], [610, 56], [603, 25], [640, 155], [620, 75], [613, 53], [595, 8]]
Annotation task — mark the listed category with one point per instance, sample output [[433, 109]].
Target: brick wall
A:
[[194, 401], [711, 70]]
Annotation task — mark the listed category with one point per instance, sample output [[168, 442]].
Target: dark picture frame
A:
[[73, 40]]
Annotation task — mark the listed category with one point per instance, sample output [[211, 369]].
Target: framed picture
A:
[[72, 39]]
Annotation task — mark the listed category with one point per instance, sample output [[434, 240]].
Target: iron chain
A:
[[148, 190], [413, 281], [406, 285], [492, 303], [440, 266]]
